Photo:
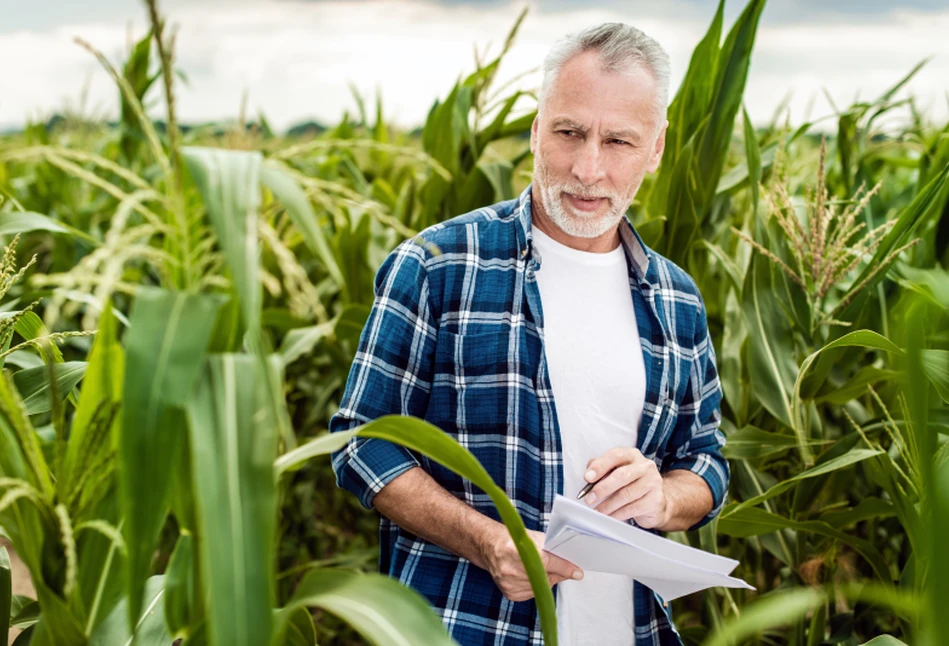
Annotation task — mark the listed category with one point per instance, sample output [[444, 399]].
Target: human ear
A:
[[656, 156], [534, 135]]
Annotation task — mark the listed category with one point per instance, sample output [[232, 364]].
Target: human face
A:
[[594, 139]]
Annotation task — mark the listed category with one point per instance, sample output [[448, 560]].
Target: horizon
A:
[[296, 59]]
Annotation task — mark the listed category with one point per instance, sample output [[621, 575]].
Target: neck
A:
[[601, 244]]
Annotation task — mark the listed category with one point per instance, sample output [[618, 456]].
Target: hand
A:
[[507, 570], [634, 489]]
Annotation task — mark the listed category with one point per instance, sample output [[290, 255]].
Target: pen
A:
[[589, 486]]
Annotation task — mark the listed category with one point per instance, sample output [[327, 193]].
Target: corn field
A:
[[179, 309]]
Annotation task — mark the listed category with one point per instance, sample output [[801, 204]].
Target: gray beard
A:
[[572, 223]]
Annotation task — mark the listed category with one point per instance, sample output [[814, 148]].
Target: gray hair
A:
[[619, 47]]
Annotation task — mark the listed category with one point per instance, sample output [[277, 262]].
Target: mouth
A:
[[587, 204]]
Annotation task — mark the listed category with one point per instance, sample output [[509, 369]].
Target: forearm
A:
[[688, 500], [418, 504]]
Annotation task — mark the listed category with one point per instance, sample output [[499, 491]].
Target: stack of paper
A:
[[597, 543]]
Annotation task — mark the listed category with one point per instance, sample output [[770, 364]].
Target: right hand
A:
[[507, 570]]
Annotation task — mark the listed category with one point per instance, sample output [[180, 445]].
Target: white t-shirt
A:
[[595, 362]]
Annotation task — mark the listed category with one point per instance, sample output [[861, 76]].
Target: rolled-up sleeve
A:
[[696, 441], [391, 373]]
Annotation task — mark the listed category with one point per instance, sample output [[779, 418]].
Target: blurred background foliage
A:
[[820, 250]]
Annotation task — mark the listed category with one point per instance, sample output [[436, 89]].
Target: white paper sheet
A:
[[598, 543]]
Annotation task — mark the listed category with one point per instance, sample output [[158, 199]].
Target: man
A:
[[547, 339]]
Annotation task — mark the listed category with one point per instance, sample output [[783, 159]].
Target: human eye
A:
[[618, 142], [568, 132]]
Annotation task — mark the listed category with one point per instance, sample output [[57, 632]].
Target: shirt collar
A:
[[636, 250]]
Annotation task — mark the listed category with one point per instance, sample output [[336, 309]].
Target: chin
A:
[[582, 225]]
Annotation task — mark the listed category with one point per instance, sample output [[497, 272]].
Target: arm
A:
[[391, 373], [415, 502]]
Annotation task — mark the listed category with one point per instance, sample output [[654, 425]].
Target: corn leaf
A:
[[233, 437], [6, 591], [304, 219], [229, 183], [382, 610], [102, 386], [776, 609], [148, 629], [851, 457], [859, 338], [771, 353], [165, 348], [34, 386], [755, 522]]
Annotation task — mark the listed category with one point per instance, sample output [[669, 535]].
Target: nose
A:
[[588, 164]]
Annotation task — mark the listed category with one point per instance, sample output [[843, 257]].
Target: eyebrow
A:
[[625, 133]]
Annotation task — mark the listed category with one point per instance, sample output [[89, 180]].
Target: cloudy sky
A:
[[295, 58]]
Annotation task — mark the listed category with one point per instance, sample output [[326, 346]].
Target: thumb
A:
[[562, 567]]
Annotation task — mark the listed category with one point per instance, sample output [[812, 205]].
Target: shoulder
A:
[[674, 282], [489, 232]]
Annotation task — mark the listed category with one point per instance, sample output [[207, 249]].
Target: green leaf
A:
[[57, 625], [149, 624], [771, 352], [15, 222], [429, 440], [296, 629], [936, 367], [777, 609], [351, 322], [229, 182], [304, 219], [165, 348], [852, 457], [753, 443], [6, 591], [30, 326], [382, 610], [752, 158], [856, 385], [101, 390], [33, 384], [234, 443], [884, 640], [182, 596], [755, 522], [24, 612], [300, 341], [866, 509], [858, 338]]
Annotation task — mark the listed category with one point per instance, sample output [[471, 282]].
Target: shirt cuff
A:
[[712, 469], [366, 465]]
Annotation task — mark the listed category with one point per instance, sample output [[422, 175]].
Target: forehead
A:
[[585, 93]]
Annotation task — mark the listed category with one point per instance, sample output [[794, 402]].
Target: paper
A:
[[597, 543]]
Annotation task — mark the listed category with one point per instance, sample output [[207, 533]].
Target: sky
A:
[[295, 59]]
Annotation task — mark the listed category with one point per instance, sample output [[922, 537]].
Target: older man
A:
[[551, 342]]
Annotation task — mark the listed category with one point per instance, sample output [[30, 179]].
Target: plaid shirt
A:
[[455, 337]]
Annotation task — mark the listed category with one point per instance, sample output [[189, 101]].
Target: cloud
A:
[[295, 59]]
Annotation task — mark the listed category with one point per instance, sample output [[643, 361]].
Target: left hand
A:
[[634, 489]]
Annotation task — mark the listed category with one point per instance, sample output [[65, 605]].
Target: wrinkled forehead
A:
[[586, 95]]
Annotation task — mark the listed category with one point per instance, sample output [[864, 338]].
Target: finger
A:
[[610, 460], [647, 511], [617, 480], [562, 567], [631, 493]]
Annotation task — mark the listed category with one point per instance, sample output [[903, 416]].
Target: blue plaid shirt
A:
[[455, 337]]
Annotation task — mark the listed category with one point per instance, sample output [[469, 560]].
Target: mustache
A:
[[582, 191]]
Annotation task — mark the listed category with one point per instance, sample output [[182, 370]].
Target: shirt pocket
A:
[[472, 381]]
